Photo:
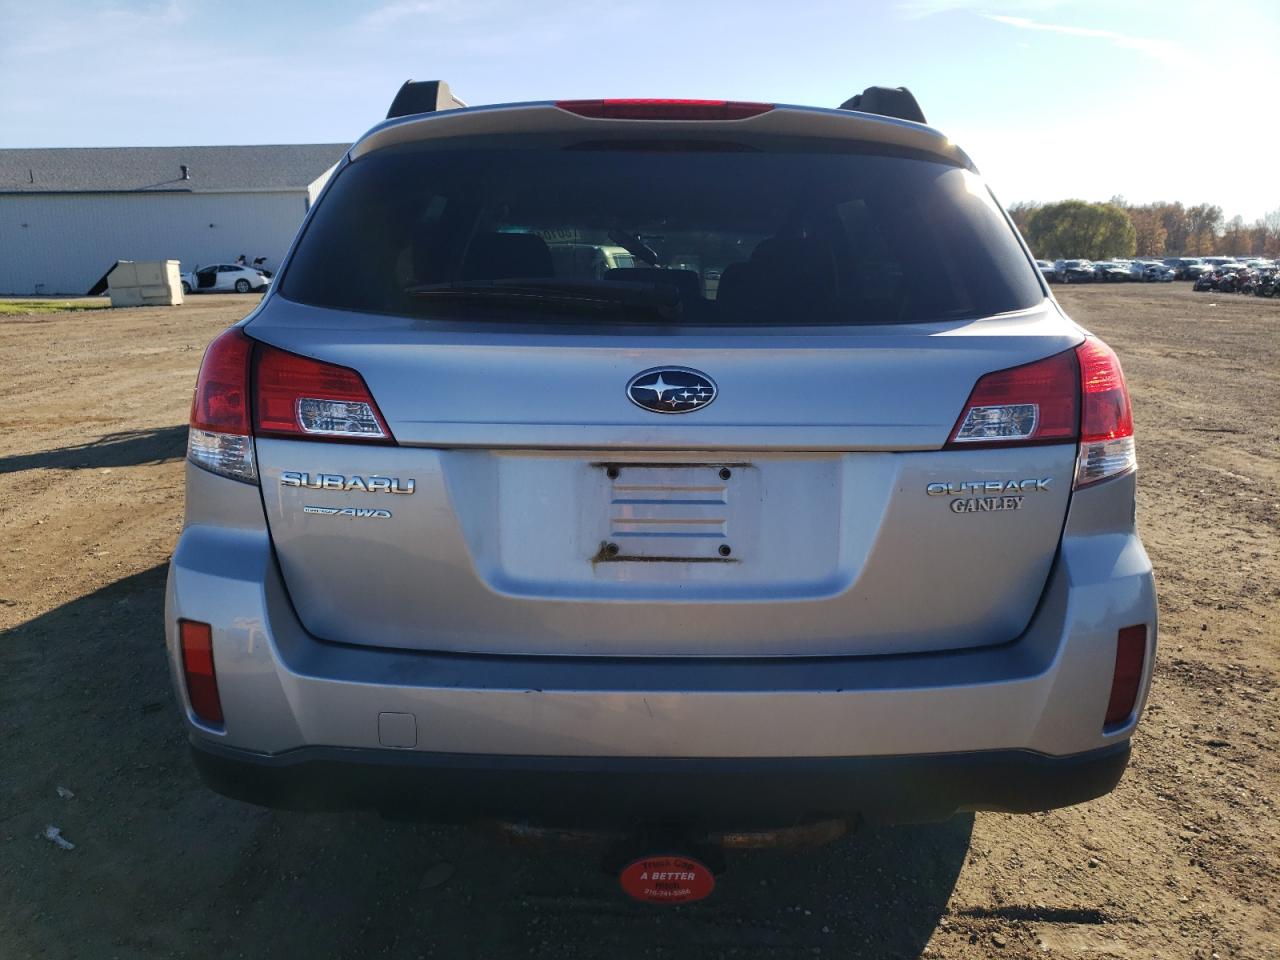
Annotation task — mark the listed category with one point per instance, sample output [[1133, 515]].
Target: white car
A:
[[225, 278]]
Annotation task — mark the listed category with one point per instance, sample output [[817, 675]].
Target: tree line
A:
[[1097, 231]]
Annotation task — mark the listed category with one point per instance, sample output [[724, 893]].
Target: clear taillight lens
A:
[[227, 454], [1106, 420]]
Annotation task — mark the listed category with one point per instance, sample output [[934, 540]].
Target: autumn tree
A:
[[1074, 228], [1150, 234], [1021, 213], [1204, 221], [1266, 235], [1174, 218], [1236, 241]]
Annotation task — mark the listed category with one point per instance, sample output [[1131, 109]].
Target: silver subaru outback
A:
[[605, 463]]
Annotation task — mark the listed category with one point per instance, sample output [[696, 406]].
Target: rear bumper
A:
[[621, 792], [1018, 726]]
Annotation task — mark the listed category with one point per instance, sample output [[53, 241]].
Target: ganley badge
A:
[[984, 496], [671, 390]]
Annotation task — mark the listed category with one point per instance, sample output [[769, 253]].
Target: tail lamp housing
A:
[[1076, 395], [196, 642], [248, 389]]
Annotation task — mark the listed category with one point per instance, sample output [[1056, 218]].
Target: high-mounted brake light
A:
[[1126, 681], [297, 396], [664, 109], [196, 641], [1106, 421], [219, 439], [1034, 403]]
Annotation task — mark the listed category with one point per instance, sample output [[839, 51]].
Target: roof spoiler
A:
[[896, 102], [423, 96]]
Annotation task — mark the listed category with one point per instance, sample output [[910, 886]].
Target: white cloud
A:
[[1164, 50], [919, 9], [397, 11]]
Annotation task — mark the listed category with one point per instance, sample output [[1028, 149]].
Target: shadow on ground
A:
[[129, 448], [162, 867]]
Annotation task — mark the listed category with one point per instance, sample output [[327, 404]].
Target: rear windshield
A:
[[717, 234]]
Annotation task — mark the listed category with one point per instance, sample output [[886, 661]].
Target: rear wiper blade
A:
[[581, 294]]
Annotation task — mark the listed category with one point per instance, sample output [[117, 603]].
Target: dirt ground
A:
[[1182, 860]]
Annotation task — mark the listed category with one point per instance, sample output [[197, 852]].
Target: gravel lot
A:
[[1183, 860]]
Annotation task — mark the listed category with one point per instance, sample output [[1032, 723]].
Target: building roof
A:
[[285, 166]]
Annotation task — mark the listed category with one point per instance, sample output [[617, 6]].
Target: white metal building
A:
[[66, 215]]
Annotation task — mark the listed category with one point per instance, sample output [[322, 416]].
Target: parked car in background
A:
[[1189, 268], [1074, 271], [225, 278], [1110, 271], [1150, 271], [1047, 270]]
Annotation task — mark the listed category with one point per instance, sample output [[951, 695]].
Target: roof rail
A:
[[894, 102], [423, 96]]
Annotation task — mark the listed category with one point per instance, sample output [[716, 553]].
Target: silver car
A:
[[472, 533]]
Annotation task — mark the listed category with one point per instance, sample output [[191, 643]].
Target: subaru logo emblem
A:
[[671, 389]]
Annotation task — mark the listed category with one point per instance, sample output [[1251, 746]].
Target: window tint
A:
[[741, 235]]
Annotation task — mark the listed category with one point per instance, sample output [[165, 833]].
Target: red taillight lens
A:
[[1106, 422], [1107, 412], [297, 396], [664, 109], [219, 439], [197, 667], [221, 402], [1034, 403], [1131, 654]]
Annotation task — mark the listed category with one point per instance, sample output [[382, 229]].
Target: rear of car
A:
[[498, 508]]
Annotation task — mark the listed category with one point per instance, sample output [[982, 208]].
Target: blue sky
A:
[[1052, 98]]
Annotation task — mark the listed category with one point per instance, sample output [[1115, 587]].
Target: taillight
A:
[[196, 641], [1034, 403], [1077, 394], [1106, 421], [664, 109], [246, 388], [1131, 654], [297, 396], [219, 439]]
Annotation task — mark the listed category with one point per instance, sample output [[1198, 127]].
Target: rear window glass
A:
[[721, 234]]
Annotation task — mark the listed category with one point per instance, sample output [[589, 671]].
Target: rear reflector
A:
[[664, 109], [297, 396], [1131, 653], [1033, 403], [1106, 421], [197, 667]]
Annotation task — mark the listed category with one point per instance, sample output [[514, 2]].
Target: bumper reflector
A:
[[197, 668], [1131, 653]]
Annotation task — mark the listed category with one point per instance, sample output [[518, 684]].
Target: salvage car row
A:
[[1149, 270]]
